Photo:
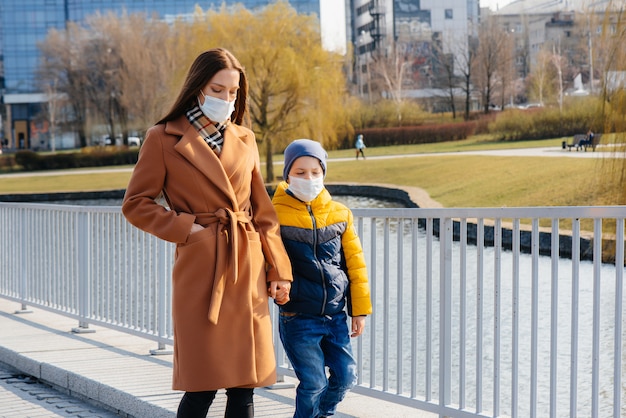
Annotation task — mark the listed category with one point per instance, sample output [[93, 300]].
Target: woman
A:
[[229, 254]]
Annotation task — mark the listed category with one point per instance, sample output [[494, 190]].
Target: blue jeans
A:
[[313, 343]]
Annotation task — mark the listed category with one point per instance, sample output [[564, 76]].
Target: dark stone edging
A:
[[402, 197], [54, 197], [385, 193]]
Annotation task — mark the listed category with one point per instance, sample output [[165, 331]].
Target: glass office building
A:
[[24, 23]]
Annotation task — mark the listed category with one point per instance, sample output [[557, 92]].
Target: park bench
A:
[[580, 141]]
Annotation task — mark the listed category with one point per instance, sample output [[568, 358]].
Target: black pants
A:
[[239, 403]]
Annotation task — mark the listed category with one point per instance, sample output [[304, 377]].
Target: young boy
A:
[[329, 276]]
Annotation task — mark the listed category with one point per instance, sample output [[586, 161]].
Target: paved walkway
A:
[[116, 371]]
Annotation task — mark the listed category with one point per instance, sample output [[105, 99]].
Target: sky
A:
[[333, 22]]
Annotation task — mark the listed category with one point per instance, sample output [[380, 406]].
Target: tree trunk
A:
[[467, 97], [269, 162]]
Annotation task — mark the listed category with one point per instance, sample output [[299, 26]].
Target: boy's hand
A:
[[358, 325], [279, 290]]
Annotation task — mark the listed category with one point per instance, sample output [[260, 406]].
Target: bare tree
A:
[[491, 51], [559, 63], [465, 62], [53, 108], [63, 65], [454, 61], [114, 69], [391, 69], [143, 47], [103, 85], [85, 63], [506, 69], [542, 77], [445, 62]]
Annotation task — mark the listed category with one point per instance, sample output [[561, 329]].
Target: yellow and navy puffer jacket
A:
[[326, 256]]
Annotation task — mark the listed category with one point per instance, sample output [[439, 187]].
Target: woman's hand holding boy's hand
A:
[[279, 290]]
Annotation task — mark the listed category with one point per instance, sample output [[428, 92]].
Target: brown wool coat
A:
[[222, 328]]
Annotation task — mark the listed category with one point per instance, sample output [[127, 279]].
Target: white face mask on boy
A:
[[217, 110], [306, 189]]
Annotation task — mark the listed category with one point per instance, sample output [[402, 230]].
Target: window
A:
[[448, 13]]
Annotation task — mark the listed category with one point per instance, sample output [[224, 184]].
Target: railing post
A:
[[374, 294], [278, 349], [497, 311], [445, 312], [161, 298], [534, 317], [617, 342], [595, 350], [83, 249], [480, 290], [554, 315], [23, 264]]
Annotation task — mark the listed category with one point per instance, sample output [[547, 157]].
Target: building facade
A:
[[413, 32], [567, 29], [24, 23]]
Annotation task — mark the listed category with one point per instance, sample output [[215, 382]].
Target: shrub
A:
[[28, 160], [578, 117], [7, 162], [385, 114], [380, 137], [31, 161]]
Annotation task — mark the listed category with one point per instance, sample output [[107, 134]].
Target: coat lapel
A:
[[234, 150], [193, 148]]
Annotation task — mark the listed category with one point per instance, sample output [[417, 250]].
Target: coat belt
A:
[[232, 228]]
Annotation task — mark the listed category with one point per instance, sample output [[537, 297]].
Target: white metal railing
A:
[[470, 319]]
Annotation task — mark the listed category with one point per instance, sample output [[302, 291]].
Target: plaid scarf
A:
[[210, 132]]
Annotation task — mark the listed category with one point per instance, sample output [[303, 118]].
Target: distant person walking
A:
[[359, 145]]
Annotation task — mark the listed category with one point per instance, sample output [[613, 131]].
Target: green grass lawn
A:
[[62, 181], [483, 181]]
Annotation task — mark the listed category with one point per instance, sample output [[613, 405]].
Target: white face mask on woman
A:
[[306, 189], [217, 110]]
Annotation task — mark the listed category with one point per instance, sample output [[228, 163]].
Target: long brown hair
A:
[[204, 67]]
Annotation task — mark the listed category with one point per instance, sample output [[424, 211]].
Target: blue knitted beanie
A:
[[300, 148]]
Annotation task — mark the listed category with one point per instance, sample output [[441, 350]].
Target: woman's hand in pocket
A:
[[195, 228]]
